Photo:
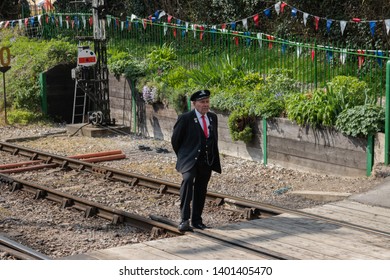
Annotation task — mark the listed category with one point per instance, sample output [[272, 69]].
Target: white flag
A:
[[163, 13], [259, 38], [277, 8], [194, 29], [165, 28], [187, 26], [343, 55], [299, 49], [305, 16], [20, 24], [245, 23], [387, 22], [133, 17], [343, 24], [84, 21], [60, 20], [40, 19]]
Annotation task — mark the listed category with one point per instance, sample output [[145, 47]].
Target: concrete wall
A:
[[288, 145]]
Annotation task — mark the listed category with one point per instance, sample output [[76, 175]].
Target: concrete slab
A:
[[90, 130], [379, 196], [322, 196]]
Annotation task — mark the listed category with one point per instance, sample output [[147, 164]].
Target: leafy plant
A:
[[241, 125], [162, 58], [321, 107], [361, 120]]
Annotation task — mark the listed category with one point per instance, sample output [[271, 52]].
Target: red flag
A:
[[313, 55], [223, 26], [174, 32], [47, 19], [282, 7], [170, 19], [90, 21], [144, 22], [236, 39], [360, 58], [6, 24], [201, 33], [356, 20], [317, 20], [26, 22], [270, 38], [256, 19]]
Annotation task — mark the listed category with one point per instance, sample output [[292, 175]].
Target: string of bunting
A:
[[82, 20]]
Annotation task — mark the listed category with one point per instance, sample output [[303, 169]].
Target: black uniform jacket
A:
[[188, 137]]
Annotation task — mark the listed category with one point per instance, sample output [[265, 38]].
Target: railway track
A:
[[20, 251], [250, 209]]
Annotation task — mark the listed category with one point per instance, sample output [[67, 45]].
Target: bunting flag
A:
[[40, 19], [260, 39], [133, 17], [372, 27], [270, 38], [20, 24], [174, 32], [90, 21], [187, 26], [233, 25], [245, 23], [256, 19], [248, 38], [329, 55], [183, 33], [284, 46], [236, 39], [343, 56], [328, 24], [360, 58], [25, 22], [144, 23], [268, 13], [277, 7], [316, 21], [202, 32], [299, 49], [387, 23], [294, 12], [165, 29], [313, 55], [223, 27], [343, 24], [161, 14], [379, 53], [170, 18], [357, 20], [282, 7], [67, 21], [305, 16], [194, 29]]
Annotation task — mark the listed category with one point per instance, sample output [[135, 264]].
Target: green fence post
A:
[[265, 141], [134, 105], [370, 154], [43, 93], [387, 120]]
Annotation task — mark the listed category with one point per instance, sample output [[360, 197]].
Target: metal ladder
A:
[[79, 103]]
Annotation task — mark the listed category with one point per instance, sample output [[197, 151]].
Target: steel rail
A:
[[90, 208], [20, 251], [251, 208]]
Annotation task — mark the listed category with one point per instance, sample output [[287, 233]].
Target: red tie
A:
[[205, 130]]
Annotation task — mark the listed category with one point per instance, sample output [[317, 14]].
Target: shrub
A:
[[361, 120], [241, 125]]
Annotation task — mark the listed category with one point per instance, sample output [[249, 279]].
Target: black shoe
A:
[[184, 226], [201, 226]]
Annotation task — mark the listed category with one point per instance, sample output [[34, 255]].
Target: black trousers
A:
[[194, 188]]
